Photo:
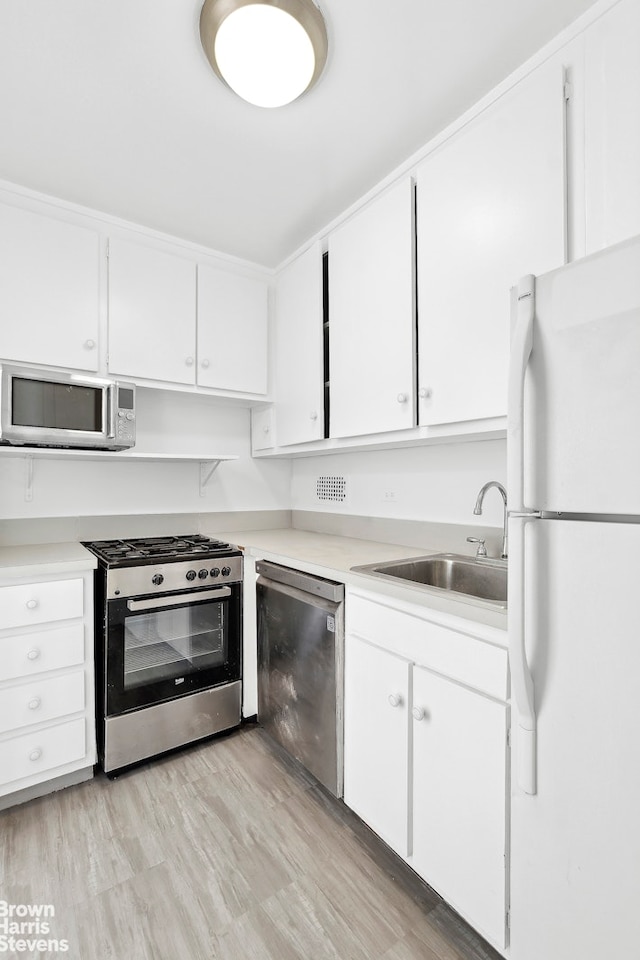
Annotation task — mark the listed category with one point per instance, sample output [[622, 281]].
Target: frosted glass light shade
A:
[[269, 52]]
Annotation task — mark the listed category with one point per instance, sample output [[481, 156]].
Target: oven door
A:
[[159, 648]]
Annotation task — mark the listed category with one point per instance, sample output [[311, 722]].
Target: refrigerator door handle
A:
[[521, 345], [521, 679]]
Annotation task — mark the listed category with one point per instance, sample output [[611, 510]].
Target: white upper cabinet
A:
[[49, 290], [299, 350], [490, 208], [232, 331], [612, 126], [372, 317], [152, 313]]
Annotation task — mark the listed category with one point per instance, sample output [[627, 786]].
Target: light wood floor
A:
[[225, 851]]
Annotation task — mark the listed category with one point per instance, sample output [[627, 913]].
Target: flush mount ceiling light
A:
[[268, 51]]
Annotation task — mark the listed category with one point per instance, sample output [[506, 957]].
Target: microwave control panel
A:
[[126, 419]]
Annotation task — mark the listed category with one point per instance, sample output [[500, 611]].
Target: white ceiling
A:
[[112, 104]]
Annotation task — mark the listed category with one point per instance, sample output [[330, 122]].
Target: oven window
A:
[[170, 644]]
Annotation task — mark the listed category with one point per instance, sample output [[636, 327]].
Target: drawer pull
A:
[[35, 703], [418, 713], [35, 754], [395, 699], [33, 654], [32, 604]]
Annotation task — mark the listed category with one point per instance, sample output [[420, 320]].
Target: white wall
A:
[[437, 483], [167, 422]]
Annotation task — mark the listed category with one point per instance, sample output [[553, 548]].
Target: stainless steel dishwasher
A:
[[301, 668]]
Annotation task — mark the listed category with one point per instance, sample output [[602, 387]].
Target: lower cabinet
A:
[[459, 797], [47, 725], [376, 748], [426, 751]]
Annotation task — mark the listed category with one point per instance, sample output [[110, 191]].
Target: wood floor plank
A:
[[225, 851]]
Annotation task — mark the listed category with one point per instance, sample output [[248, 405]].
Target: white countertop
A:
[[44, 559], [332, 557]]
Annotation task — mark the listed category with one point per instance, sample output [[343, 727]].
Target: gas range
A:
[[168, 628], [164, 564], [126, 553]]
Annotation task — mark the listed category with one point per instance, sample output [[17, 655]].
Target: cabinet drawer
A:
[[33, 603], [451, 652], [44, 650], [33, 753], [40, 700]]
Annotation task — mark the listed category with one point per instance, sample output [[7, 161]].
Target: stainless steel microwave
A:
[[47, 409]]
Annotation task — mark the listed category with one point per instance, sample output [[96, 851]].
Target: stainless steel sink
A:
[[484, 579]]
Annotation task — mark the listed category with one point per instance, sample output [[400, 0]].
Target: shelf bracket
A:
[[28, 479], [207, 470]]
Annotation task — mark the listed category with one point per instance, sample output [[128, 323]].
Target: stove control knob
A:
[[157, 578], [191, 574], [215, 571], [226, 571], [203, 574]]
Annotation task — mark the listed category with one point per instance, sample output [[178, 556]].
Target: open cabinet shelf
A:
[[208, 462]]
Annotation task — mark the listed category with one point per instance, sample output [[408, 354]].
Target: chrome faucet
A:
[[478, 510]]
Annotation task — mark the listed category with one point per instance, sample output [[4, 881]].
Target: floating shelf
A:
[[209, 462]]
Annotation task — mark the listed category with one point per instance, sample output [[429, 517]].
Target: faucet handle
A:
[[482, 550]]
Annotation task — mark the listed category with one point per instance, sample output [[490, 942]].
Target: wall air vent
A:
[[331, 488]]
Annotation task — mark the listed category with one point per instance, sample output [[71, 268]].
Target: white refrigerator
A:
[[574, 610]]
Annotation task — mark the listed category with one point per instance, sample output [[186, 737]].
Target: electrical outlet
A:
[[389, 496]]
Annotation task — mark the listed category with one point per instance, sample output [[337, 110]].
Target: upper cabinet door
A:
[[372, 317], [490, 208], [299, 356], [49, 290], [232, 331], [612, 126], [152, 313]]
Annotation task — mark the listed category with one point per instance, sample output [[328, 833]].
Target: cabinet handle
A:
[[205, 364], [425, 393], [33, 654], [266, 429], [402, 398], [418, 713], [313, 415], [89, 344], [189, 361], [35, 703], [395, 700], [35, 754], [32, 604]]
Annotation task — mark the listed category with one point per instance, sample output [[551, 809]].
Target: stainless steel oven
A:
[[168, 643]]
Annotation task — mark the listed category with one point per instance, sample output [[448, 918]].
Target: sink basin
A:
[[484, 579]]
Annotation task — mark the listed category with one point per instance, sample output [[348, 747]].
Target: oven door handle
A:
[[186, 598]]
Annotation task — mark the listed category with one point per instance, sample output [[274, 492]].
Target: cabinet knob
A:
[[33, 654], [32, 604], [425, 393], [418, 713], [35, 754], [313, 415], [205, 364], [395, 699], [90, 344], [402, 398], [266, 429], [34, 703], [189, 361]]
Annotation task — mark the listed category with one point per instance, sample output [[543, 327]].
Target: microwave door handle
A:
[[111, 394], [218, 594]]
